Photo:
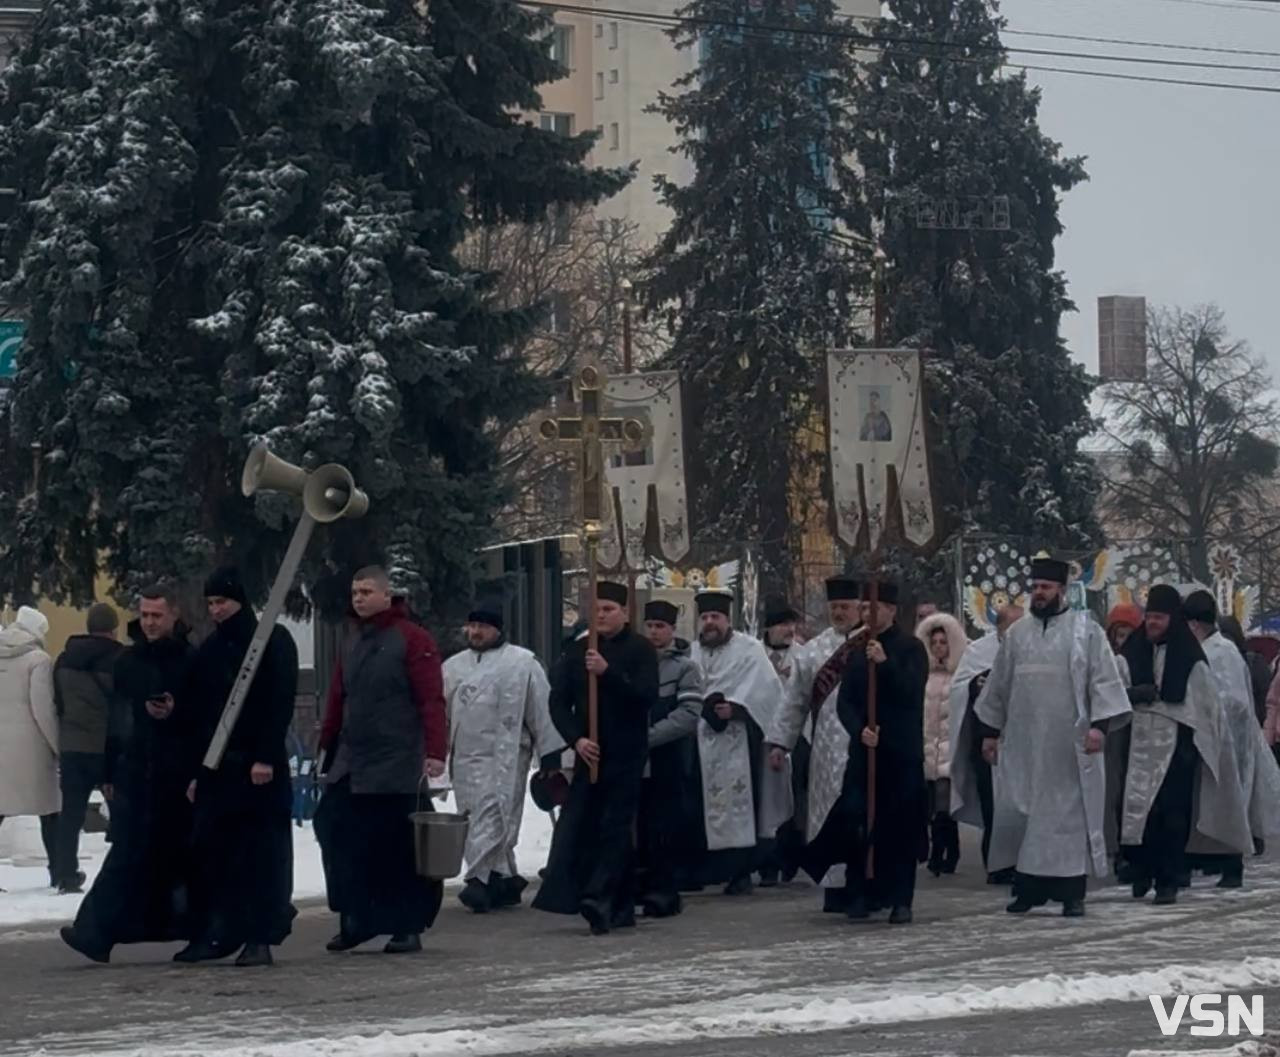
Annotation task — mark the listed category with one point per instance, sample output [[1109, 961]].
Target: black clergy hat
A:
[[1052, 570], [843, 589], [1200, 606], [886, 593], [1164, 599], [549, 789], [661, 611], [608, 591], [778, 611], [487, 611], [714, 602]]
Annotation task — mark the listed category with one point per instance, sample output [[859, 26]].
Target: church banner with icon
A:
[[879, 458], [658, 473]]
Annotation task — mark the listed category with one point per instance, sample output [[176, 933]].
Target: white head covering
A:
[[33, 621]]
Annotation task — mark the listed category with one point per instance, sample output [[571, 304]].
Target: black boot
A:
[[476, 896], [255, 956], [900, 916], [1165, 897], [1073, 908], [1001, 877], [1020, 905], [1232, 878], [951, 847], [855, 908], [72, 885], [507, 890], [769, 877], [597, 916], [1141, 885], [403, 943], [739, 886], [834, 900]]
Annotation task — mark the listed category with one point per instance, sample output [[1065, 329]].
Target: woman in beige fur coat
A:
[[29, 728], [945, 641]]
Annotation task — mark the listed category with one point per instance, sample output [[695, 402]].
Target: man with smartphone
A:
[[141, 893]]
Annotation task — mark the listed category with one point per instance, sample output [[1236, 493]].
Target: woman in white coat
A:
[[29, 728], [945, 641]]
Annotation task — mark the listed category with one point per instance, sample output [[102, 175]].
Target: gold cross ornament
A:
[[592, 436]]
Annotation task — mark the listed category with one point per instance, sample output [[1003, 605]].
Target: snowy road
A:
[[757, 976]]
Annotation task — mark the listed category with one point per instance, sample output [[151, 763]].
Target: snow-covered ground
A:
[[27, 898]]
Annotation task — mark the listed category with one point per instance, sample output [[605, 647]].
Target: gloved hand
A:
[[1143, 695]]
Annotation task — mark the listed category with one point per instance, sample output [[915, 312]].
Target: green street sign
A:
[[11, 332]]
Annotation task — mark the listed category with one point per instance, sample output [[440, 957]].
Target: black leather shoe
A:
[[202, 951], [1165, 897], [739, 886], [101, 955], [345, 942], [72, 885], [404, 943], [769, 878], [855, 909], [1230, 880], [255, 955], [1073, 908], [1001, 877], [900, 916], [1020, 906], [1141, 886]]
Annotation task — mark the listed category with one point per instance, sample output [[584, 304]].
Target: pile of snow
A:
[[795, 1012], [24, 874]]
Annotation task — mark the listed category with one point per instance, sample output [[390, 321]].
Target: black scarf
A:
[[1182, 654]]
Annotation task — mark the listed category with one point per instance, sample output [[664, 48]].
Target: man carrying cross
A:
[[589, 871]]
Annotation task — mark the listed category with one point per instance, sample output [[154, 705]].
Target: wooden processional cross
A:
[[591, 437]]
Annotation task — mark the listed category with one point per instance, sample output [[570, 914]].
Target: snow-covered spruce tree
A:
[[755, 275], [241, 223], [944, 129]]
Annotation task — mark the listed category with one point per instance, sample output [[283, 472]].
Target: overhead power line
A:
[[760, 30], [1162, 44]]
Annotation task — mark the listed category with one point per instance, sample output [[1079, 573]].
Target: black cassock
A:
[[590, 868], [900, 832], [243, 840], [141, 894]]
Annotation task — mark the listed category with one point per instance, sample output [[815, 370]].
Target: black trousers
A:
[[1161, 858], [894, 865], [986, 795], [944, 831], [1040, 890], [80, 774], [367, 847], [49, 837]]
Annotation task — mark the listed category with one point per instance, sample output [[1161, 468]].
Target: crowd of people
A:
[[1137, 751]]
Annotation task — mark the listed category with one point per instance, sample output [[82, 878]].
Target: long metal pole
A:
[[258, 646], [633, 610], [873, 618], [593, 643]]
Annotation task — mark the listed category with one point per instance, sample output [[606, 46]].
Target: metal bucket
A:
[[439, 839]]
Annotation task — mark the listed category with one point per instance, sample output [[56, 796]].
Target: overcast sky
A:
[[1183, 200]]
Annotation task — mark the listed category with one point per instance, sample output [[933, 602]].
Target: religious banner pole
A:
[[587, 436], [880, 481]]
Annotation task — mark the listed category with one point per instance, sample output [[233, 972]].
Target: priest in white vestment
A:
[[809, 709], [1255, 766], [1182, 783], [744, 801], [1043, 715], [496, 695]]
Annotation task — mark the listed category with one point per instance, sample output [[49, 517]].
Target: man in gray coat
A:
[[384, 732], [670, 804]]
